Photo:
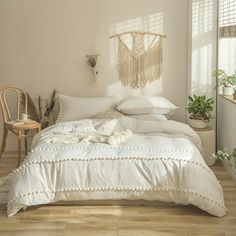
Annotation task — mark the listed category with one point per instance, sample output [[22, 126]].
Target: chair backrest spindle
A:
[[4, 105]]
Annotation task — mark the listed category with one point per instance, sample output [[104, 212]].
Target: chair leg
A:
[[19, 148], [4, 141]]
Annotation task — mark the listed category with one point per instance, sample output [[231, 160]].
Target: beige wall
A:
[[43, 45]]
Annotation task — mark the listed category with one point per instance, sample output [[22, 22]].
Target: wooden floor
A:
[[120, 220]]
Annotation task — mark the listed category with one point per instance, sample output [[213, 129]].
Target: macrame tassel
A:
[[138, 66]]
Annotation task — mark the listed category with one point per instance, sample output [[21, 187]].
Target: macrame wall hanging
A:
[[139, 58]]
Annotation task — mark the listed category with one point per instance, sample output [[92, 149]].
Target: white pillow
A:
[[146, 105], [77, 108], [152, 117]]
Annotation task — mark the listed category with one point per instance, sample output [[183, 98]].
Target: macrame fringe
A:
[[138, 65]]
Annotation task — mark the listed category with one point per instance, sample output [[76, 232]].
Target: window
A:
[[227, 12], [227, 18], [227, 34]]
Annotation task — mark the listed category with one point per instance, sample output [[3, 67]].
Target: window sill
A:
[[228, 98]]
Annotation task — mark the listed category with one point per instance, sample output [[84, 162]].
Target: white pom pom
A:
[[114, 143], [128, 132], [118, 139], [111, 140], [122, 138]]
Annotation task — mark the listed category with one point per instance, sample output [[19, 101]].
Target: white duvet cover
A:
[[74, 161]]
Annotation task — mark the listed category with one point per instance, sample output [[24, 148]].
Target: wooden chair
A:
[[21, 130]]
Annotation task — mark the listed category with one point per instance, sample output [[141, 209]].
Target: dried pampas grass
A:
[[40, 109]]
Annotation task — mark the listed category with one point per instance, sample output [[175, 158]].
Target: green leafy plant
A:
[[92, 62], [222, 155], [222, 79], [200, 107]]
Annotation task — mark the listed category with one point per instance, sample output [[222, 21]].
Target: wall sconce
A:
[[92, 62]]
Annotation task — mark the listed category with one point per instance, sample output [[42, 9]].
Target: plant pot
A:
[[228, 91], [199, 124], [220, 90], [233, 162], [234, 158]]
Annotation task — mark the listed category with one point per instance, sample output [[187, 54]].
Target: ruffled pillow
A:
[[77, 108], [146, 105], [152, 117]]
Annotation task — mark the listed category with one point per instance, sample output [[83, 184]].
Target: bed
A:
[[115, 159]]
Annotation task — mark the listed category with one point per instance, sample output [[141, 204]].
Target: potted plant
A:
[[224, 155], [225, 81], [200, 108]]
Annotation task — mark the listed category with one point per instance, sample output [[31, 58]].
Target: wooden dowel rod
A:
[[140, 32]]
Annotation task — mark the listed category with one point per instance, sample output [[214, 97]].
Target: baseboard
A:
[[10, 152], [229, 169]]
